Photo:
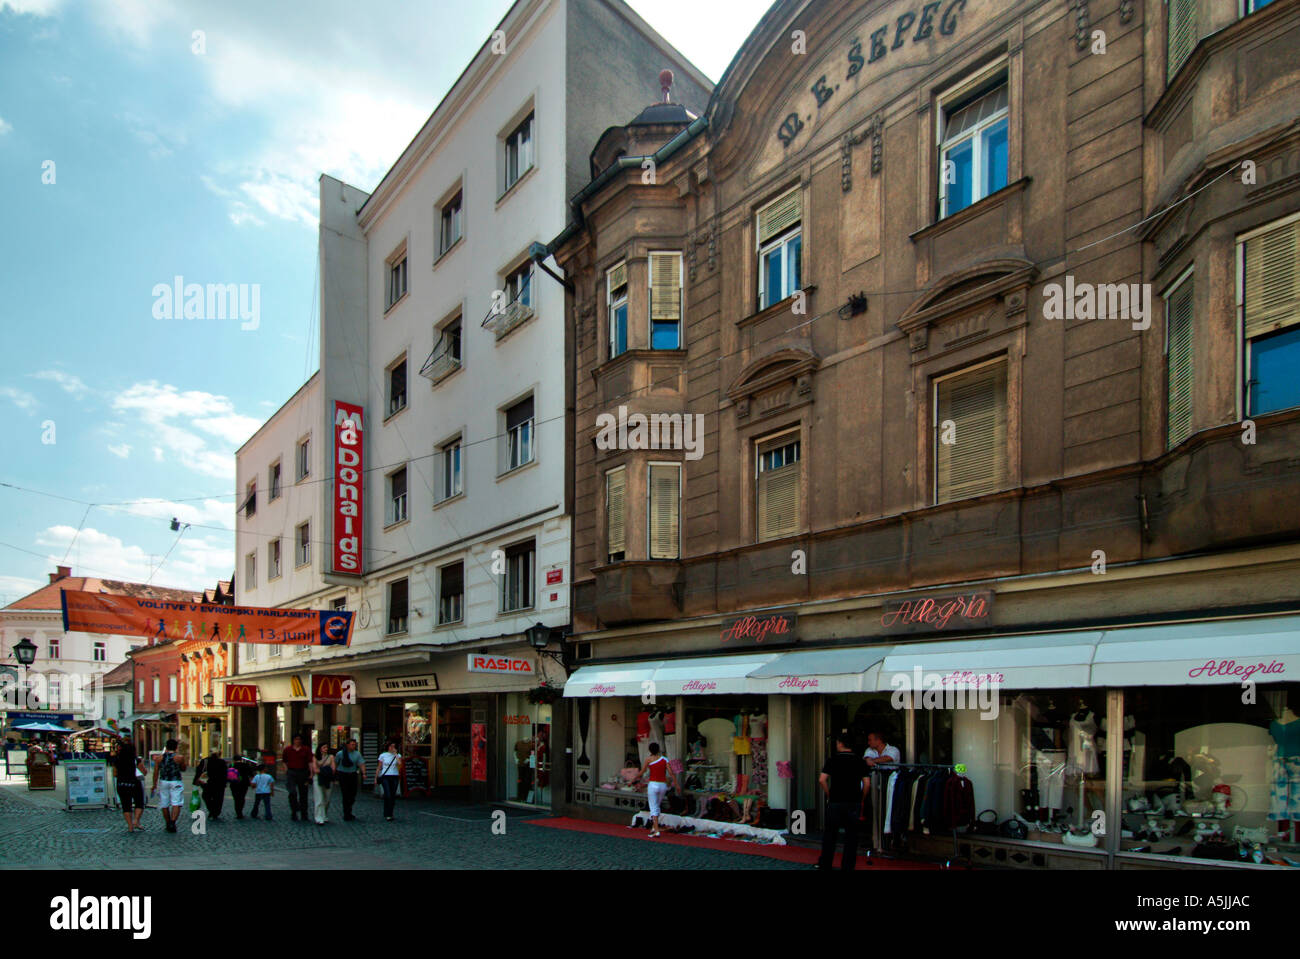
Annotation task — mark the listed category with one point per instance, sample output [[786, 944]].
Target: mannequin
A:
[[1083, 740], [718, 733], [758, 726], [1284, 792]]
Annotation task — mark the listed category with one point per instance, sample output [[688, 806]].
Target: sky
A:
[[145, 140]]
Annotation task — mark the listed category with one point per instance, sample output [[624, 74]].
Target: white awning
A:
[[708, 675], [1040, 661], [617, 679], [1195, 654], [848, 670]]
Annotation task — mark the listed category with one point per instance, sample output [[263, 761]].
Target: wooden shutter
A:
[[616, 510], [665, 286], [1178, 318], [617, 278], [778, 498], [665, 504], [778, 216], [1182, 33], [1272, 291], [976, 461]]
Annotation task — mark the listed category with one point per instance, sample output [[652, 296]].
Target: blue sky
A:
[[171, 155]]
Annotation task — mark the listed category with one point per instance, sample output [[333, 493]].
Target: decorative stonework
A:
[[709, 236], [1081, 23], [1015, 303], [966, 328], [774, 383], [875, 131], [1126, 10]]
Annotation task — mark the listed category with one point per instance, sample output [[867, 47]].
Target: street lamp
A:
[[207, 699], [539, 637], [25, 651]]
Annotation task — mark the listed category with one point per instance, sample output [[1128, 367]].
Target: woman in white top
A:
[[388, 773], [323, 774]]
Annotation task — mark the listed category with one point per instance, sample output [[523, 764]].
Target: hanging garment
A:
[[918, 799], [670, 722], [758, 726], [1284, 789], [901, 807], [1051, 778], [657, 728], [1083, 743], [958, 801], [758, 778], [932, 808], [889, 801]]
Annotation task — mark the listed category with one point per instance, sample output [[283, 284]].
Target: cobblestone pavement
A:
[[37, 834]]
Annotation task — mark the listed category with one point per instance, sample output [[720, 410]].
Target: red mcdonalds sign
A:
[[241, 694], [329, 688], [349, 477]]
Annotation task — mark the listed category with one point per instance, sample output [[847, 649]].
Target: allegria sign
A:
[[349, 468]]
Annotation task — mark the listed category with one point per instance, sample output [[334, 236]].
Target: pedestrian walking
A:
[[263, 790], [659, 773], [169, 785], [129, 770], [240, 775], [388, 774], [350, 766], [297, 764], [322, 786], [212, 778], [844, 780]]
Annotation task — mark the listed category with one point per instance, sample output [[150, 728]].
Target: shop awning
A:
[[708, 675], [849, 670], [616, 679], [1042, 661], [1195, 654]]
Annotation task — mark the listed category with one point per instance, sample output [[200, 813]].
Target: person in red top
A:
[[297, 763], [659, 772]]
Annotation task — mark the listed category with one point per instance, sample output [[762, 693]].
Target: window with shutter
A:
[[665, 301], [1178, 331], [665, 507], [780, 249], [451, 593], [1182, 33], [1270, 299], [777, 495], [971, 456], [778, 216], [616, 513], [617, 302]]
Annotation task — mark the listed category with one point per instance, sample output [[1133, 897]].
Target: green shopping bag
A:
[[196, 799]]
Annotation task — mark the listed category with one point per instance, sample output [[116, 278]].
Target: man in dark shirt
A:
[[844, 781], [297, 764]]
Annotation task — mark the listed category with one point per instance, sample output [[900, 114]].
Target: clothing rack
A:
[[878, 809]]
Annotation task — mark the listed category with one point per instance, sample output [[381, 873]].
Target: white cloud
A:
[[21, 398], [69, 382], [5, 126], [175, 419], [194, 563], [37, 8], [123, 450], [210, 512], [13, 588]]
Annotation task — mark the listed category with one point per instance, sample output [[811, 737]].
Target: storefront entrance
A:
[[527, 752]]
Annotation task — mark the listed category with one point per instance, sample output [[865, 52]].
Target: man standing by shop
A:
[[351, 768], [844, 781], [297, 764]]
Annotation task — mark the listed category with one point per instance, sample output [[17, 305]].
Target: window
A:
[[274, 481], [302, 536], [250, 499], [55, 648], [451, 594], [665, 510], [971, 432], [616, 293], [616, 514], [1269, 300], [171, 687], [666, 301], [1251, 6], [100, 653], [446, 356], [303, 459], [273, 559], [973, 151], [777, 492], [780, 249], [519, 434], [157, 689], [397, 496], [397, 387], [518, 301], [250, 570], [140, 688], [1178, 360], [339, 603], [449, 224], [517, 584], [273, 649], [397, 278], [397, 607], [449, 475], [519, 152], [1181, 35], [56, 692]]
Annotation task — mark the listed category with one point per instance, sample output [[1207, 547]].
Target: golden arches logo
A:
[[295, 686]]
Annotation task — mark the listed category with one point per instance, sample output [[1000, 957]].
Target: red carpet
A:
[[800, 854]]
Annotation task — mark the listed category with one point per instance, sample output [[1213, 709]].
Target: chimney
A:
[[61, 572]]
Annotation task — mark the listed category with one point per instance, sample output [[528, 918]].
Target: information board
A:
[[86, 783], [370, 753]]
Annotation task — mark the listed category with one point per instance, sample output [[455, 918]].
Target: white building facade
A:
[[444, 345]]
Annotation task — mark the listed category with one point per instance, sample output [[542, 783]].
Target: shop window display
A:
[[724, 773], [417, 747], [527, 750]]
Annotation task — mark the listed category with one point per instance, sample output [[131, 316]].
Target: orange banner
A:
[[164, 619]]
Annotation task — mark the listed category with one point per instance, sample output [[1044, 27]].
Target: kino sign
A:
[[349, 473]]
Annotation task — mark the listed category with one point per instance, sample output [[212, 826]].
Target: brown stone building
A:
[[975, 301]]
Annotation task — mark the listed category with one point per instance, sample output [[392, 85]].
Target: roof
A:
[[48, 598], [120, 675], [663, 113]]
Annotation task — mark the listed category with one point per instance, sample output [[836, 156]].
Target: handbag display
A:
[[985, 827], [1014, 829]]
